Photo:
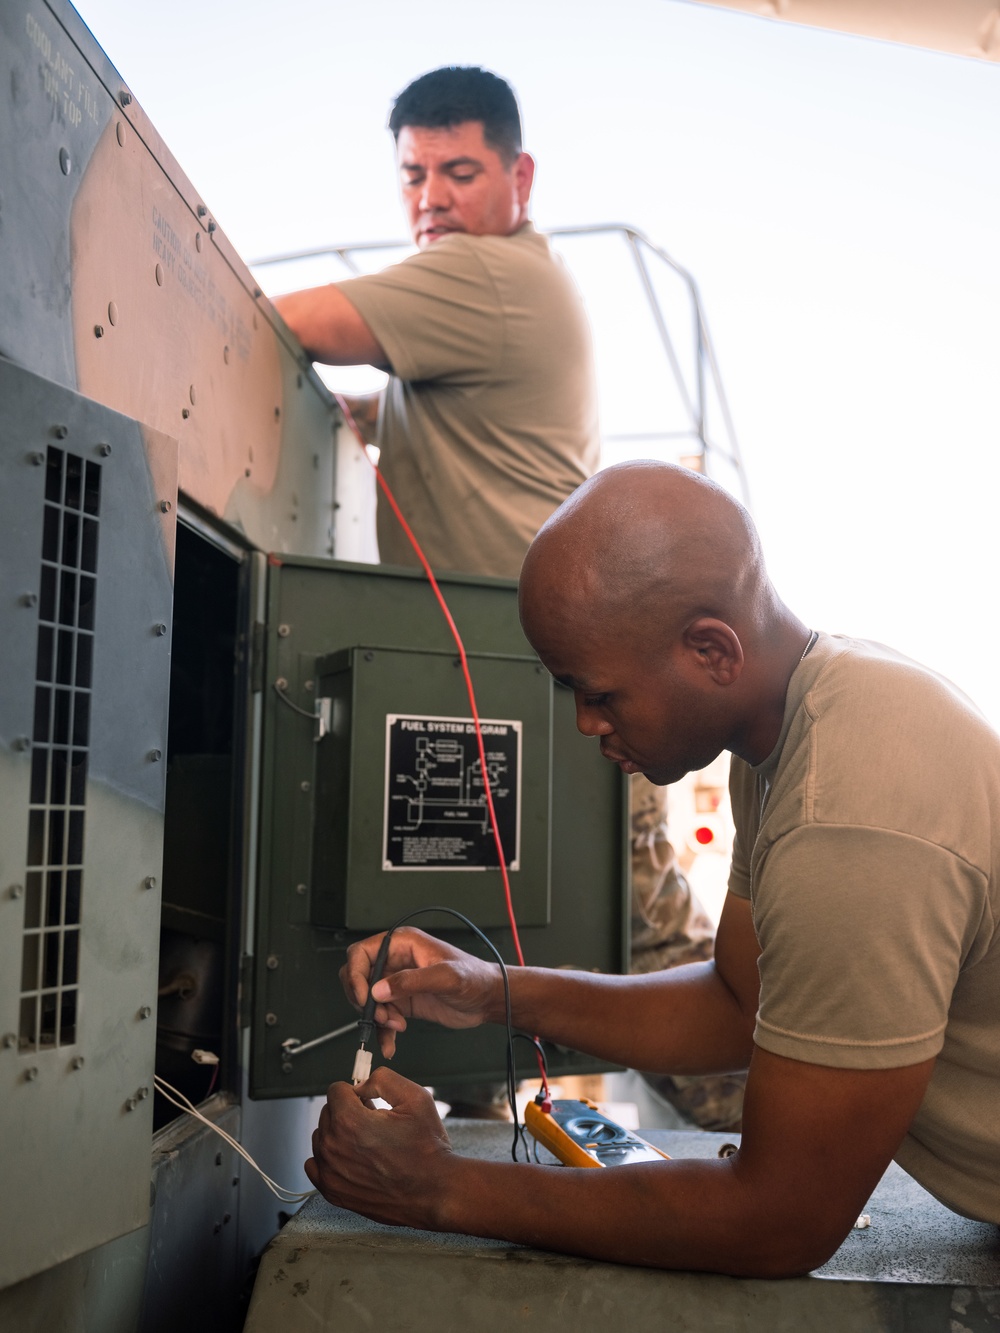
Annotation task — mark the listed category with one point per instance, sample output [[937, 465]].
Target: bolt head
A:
[[284, 631], [36, 459], [98, 330], [125, 97], [155, 756], [17, 890], [30, 1074], [149, 882], [145, 1011], [77, 1062], [165, 506], [131, 1104], [104, 450]]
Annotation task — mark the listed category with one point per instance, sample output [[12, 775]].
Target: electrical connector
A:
[[362, 1066]]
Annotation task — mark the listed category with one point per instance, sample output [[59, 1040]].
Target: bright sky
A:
[[837, 200]]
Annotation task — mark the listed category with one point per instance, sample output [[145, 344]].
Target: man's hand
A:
[[423, 978], [389, 1165]]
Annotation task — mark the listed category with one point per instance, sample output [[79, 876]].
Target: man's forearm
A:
[[685, 1021], [329, 327]]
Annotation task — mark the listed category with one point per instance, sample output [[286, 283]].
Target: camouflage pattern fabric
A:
[[670, 927]]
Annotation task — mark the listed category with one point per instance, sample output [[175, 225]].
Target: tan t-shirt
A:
[[489, 419], [869, 845]]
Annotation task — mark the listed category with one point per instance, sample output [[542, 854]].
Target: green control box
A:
[[400, 818]]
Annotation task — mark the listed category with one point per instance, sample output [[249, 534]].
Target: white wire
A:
[[183, 1104]]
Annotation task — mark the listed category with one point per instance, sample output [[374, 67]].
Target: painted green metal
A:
[[316, 609]]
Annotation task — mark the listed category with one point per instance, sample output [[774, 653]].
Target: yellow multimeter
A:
[[579, 1134]]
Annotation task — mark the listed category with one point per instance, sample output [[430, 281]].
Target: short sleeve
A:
[[863, 933], [436, 314]]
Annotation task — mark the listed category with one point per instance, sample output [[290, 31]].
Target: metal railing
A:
[[711, 435]]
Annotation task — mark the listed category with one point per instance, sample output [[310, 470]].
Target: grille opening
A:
[[50, 948], [197, 1004]]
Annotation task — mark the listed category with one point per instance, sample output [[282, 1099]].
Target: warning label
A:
[[436, 816]]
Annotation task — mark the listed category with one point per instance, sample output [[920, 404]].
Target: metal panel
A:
[[87, 513], [316, 608], [117, 282]]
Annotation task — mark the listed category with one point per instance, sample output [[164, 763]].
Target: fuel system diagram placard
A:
[[436, 817]]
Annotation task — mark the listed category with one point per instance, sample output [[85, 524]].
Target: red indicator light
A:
[[704, 835]]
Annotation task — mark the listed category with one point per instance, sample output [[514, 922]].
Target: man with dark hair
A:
[[489, 419]]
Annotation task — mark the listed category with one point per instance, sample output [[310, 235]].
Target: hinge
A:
[[257, 636]]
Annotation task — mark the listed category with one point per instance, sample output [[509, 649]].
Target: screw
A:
[[104, 450], [284, 631], [65, 161], [30, 1074], [271, 1020], [302, 889], [125, 97], [145, 1011], [29, 599], [36, 459], [272, 961], [60, 432], [149, 882], [22, 743], [9, 1041], [155, 756], [77, 1062], [16, 890], [165, 506], [98, 330]]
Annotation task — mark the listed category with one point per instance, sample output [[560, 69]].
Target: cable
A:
[[425, 564], [176, 1098], [366, 1023]]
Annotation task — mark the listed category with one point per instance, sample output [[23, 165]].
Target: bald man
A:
[[865, 789]]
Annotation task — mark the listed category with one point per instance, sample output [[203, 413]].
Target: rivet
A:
[[36, 459], [302, 889], [112, 313], [149, 882], [202, 210], [185, 412], [160, 629], [60, 432], [305, 785], [104, 450], [143, 1094], [191, 394], [155, 756], [165, 506], [65, 161], [22, 743], [271, 1020], [225, 355], [98, 330], [145, 1011], [284, 631], [16, 890], [30, 599], [159, 275], [120, 131], [211, 225], [197, 241], [77, 1062], [125, 97], [30, 1074], [272, 961], [131, 1104], [9, 1040]]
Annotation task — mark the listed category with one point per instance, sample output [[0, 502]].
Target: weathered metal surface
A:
[[83, 722], [918, 1268], [117, 282]]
